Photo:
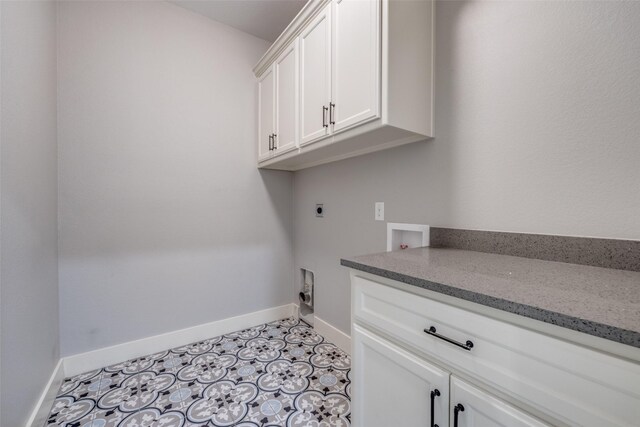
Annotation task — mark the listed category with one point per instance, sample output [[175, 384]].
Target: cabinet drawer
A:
[[572, 384]]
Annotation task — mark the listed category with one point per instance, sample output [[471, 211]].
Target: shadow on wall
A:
[[282, 204], [280, 201]]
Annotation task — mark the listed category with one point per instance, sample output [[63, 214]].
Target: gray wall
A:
[[165, 222], [29, 245], [536, 131]]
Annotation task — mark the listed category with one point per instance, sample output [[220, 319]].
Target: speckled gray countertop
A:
[[598, 301]]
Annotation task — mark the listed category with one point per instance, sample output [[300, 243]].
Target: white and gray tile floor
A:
[[277, 374]]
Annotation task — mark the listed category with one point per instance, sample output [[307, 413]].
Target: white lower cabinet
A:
[[472, 407], [496, 373], [393, 387]]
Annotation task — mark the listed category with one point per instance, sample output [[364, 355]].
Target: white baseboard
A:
[[79, 363], [41, 411], [332, 334]]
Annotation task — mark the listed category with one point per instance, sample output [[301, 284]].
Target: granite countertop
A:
[[598, 301]]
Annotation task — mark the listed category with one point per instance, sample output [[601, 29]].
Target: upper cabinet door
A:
[[266, 102], [286, 65], [476, 408], [356, 62], [391, 387], [315, 75]]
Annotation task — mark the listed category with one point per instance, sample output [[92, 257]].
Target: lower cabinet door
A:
[[393, 388], [471, 406]]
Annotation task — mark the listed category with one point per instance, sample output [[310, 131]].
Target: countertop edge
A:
[[600, 330]]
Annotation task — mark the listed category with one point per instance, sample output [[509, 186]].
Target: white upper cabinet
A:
[[266, 100], [286, 72], [315, 90], [364, 82], [355, 63]]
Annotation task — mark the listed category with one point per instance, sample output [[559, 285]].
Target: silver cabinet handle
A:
[[332, 107], [324, 116]]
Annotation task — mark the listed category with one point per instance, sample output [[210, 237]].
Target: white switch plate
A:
[[379, 215]]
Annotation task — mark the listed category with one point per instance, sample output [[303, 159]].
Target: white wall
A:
[[29, 266], [165, 222], [537, 124]]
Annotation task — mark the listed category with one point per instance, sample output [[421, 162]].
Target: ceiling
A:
[[262, 18]]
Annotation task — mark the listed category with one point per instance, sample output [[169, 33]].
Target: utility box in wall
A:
[[406, 236], [305, 295]]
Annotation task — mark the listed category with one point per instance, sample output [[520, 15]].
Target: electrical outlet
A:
[[379, 213]]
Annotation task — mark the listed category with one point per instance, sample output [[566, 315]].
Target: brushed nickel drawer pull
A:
[[432, 331], [332, 107]]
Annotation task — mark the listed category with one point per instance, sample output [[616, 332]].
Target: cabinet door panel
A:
[[355, 62], [315, 74], [483, 410], [286, 100], [392, 387], [266, 102]]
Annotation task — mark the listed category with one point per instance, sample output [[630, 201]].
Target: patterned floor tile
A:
[[298, 352], [101, 419], [179, 397], [286, 377], [246, 370], [137, 391], [317, 409], [276, 374], [87, 389], [270, 409], [329, 380], [76, 386], [150, 417], [197, 347], [67, 409]]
